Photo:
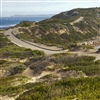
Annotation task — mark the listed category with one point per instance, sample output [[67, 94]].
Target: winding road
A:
[[47, 49], [34, 46]]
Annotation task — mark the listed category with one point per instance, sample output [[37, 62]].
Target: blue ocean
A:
[[6, 22]]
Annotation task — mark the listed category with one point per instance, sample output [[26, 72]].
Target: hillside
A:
[[31, 75], [63, 30], [27, 74]]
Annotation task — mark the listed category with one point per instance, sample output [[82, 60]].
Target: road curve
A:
[[33, 46]]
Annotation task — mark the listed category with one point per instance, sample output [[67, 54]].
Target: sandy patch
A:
[[6, 98], [28, 72]]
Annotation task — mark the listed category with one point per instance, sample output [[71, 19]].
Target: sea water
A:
[[6, 22]]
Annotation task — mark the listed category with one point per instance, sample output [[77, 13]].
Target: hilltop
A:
[[65, 29]]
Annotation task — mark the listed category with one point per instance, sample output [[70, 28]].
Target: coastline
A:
[[10, 21], [7, 26]]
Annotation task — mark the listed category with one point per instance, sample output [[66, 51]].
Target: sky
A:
[[35, 7]]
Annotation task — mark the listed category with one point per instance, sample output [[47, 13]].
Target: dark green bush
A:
[[37, 53], [18, 69], [2, 61]]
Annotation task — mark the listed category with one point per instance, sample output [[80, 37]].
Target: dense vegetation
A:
[[83, 63], [68, 89], [66, 64], [80, 88], [12, 85], [25, 24]]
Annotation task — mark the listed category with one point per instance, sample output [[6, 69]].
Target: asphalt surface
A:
[[48, 50]]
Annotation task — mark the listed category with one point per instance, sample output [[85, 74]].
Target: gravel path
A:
[[77, 20]]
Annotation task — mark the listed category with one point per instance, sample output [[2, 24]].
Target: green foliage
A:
[[2, 61], [3, 40], [85, 64], [38, 53], [19, 52], [12, 85], [25, 24], [87, 47], [15, 52], [5, 63], [82, 88], [18, 69]]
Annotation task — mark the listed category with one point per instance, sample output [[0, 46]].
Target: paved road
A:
[[33, 46], [44, 48]]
